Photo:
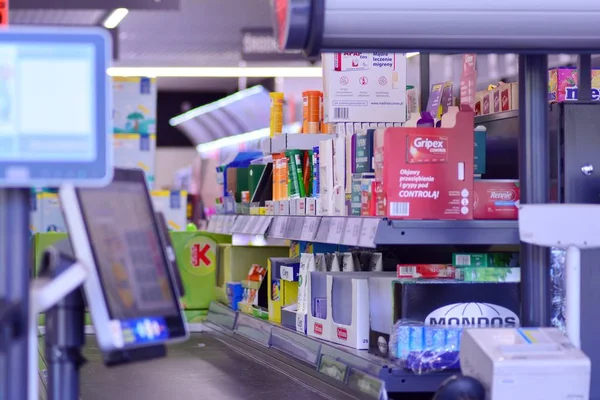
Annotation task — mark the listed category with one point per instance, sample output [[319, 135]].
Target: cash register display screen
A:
[[128, 252], [47, 102]]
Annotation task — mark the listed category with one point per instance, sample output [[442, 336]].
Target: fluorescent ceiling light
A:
[[115, 18], [198, 111], [409, 55], [242, 138], [217, 72]]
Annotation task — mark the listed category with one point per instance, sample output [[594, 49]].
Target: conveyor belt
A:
[[204, 367]]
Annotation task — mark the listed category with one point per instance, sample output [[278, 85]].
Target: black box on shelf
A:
[[453, 303]]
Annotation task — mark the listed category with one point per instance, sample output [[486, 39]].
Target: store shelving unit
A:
[[357, 369]]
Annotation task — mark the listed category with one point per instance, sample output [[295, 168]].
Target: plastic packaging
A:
[[315, 171], [311, 112], [277, 101], [557, 274], [425, 348], [295, 181]]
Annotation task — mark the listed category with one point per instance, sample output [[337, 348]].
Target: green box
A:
[[480, 150], [475, 260], [364, 152], [490, 274]]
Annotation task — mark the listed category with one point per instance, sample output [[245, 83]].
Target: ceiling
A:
[[201, 33]]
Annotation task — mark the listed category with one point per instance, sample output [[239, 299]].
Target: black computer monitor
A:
[[130, 291]]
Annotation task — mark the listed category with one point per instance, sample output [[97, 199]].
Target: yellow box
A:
[[281, 294]]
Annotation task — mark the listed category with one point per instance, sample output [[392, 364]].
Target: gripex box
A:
[[459, 304], [428, 172]]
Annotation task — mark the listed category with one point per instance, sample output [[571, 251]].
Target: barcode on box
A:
[[463, 260], [409, 271], [341, 113], [399, 209]]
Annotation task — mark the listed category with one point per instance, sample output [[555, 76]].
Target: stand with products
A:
[[544, 174]]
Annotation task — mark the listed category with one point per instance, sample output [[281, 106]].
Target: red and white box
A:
[[425, 271], [428, 171], [352, 61], [364, 88], [496, 199]]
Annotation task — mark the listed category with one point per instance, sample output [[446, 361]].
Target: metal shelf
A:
[[447, 233], [267, 336], [369, 232], [293, 141], [482, 119]]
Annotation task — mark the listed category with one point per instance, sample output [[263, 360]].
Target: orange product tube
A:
[[283, 177], [276, 113], [311, 111], [276, 172]]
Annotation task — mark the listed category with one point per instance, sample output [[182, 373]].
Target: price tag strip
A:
[[251, 227], [323, 231], [230, 222], [293, 229], [263, 225], [368, 232], [352, 231], [278, 228], [336, 230], [239, 224], [309, 228]]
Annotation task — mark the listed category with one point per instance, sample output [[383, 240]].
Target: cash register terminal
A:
[[56, 132], [130, 289], [119, 256]]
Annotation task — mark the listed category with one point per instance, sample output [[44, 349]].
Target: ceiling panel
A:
[[56, 17], [202, 33]]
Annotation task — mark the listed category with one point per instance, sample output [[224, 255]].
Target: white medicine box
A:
[[318, 321], [364, 87]]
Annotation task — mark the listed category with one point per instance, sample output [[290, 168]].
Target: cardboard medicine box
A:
[[443, 302], [355, 84], [173, 205], [134, 105], [496, 199], [562, 84], [428, 172]]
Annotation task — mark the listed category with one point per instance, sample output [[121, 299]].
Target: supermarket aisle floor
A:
[[203, 367]]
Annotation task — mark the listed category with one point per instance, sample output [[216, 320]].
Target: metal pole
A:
[[424, 80], [64, 340], [584, 84], [534, 176], [14, 287]]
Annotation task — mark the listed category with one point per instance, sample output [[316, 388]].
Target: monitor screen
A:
[[54, 107], [47, 102], [130, 258]]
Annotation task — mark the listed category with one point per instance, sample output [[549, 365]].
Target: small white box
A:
[[300, 207], [270, 207], [284, 207], [349, 298], [276, 207], [364, 87], [173, 205], [311, 206], [525, 363], [318, 327]]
